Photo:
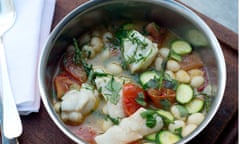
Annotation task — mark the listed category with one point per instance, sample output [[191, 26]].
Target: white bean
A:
[[182, 76], [114, 68], [106, 36], [188, 129], [176, 125], [96, 44], [164, 52], [75, 116], [97, 68], [197, 81], [158, 63], [195, 72], [172, 65], [171, 74], [89, 51], [195, 118]]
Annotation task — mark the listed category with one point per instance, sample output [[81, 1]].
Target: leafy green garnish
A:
[[113, 120], [150, 116], [141, 99], [141, 44], [207, 101], [161, 77], [151, 121], [182, 110], [79, 59], [93, 75], [165, 103], [101, 115], [178, 131], [114, 87], [152, 83], [169, 82], [124, 64]]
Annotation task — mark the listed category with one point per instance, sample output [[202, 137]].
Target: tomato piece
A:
[[191, 61], [163, 94], [86, 133], [63, 82], [76, 71], [130, 94], [157, 34]]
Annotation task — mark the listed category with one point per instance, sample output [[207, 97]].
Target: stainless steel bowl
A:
[[170, 14]]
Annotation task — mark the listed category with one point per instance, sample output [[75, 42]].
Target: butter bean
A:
[[182, 76], [158, 63], [195, 118], [188, 129], [197, 81], [164, 52], [172, 65]]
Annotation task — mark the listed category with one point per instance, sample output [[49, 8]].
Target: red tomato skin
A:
[[76, 71], [130, 93], [63, 82]]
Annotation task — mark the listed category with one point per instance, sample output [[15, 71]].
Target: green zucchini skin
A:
[[184, 93], [167, 137], [147, 76], [181, 47], [194, 106]]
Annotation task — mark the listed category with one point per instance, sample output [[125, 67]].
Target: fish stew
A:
[[131, 83]]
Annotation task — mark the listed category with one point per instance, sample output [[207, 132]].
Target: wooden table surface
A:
[[38, 128]]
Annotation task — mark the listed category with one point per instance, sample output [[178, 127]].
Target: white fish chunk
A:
[[116, 135], [130, 129], [138, 51], [115, 110], [76, 103], [113, 106]]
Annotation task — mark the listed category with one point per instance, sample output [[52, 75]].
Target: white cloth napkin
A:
[[23, 42]]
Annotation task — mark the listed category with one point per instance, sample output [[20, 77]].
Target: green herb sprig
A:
[[79, 59], [150, 116], [114, 87]]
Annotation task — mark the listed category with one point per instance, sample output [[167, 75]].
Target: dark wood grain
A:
[[223, 129]]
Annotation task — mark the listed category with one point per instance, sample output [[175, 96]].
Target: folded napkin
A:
[[23, 42]]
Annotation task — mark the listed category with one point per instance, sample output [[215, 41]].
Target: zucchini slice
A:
[[184, 93], [167, 137], [166, 115], [181, 47], [147, 76], [195, 105], [151, 137], [176, 56]]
